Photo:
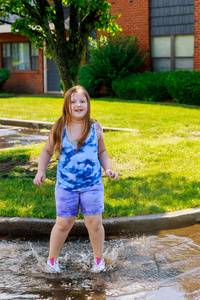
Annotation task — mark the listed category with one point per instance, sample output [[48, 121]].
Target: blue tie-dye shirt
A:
[[79, 170]]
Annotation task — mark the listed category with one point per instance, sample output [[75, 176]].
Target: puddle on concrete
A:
[[16, 136], [164, 266]]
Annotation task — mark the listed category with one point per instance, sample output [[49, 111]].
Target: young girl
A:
[[80, 144]]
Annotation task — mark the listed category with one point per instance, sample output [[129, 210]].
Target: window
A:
[[6, 56], [173, 52], [34, 58], [20, 56], [184, 52]]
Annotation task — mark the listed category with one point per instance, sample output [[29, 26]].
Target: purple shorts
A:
[[90, 200]]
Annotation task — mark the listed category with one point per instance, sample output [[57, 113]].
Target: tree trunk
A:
[[68, 80], [68, 54], [68, 69]]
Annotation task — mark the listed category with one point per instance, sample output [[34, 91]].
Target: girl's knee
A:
[[64, 224], [93, 223]]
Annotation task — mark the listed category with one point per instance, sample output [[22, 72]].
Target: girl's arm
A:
[[44, 159], [103, 154]]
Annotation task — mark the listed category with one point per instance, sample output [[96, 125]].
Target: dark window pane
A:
[[184, 64], [6, 62], [161, 64], [6, 49], [34, 63]]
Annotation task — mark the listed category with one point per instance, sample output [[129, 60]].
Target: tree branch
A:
[[74, 18], [5, 22], [88, 22], [59, 21], [11, 13], [32, 11], [42, 5]]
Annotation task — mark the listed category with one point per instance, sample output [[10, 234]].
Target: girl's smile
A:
[[78, 106]]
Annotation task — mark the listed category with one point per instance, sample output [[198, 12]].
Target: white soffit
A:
[[5, 28]]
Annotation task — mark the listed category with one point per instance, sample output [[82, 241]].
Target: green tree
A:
[[43, 22]]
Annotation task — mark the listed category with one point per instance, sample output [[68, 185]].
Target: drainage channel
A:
[[12, 136]]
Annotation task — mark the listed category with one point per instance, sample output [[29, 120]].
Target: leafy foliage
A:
[[4, 75], [88, 81], [142, 86], [182, 86], [112, 58]]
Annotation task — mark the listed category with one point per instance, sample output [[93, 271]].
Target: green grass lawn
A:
[[158, 165], [151, 118]]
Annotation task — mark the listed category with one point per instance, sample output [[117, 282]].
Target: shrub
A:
[[112, 58], [4, 75], [142, 86], [184, 86], [87, 80]]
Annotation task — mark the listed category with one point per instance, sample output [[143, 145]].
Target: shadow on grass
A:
[[113, 99], [13, 155], [109, 99], [18, 163], [157, 193], [11, 159], [44, 96], [7, 95]]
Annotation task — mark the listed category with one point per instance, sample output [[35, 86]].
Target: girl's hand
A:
[[39, 178], [112, 174]]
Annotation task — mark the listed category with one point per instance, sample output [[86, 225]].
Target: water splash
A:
[[110, 256], [148, 267], [41, 263], [80, 260]]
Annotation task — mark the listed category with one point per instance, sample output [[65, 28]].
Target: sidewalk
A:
[[47, 125]]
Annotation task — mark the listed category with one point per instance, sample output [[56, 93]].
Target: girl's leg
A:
[[59, 234], [95, 229]]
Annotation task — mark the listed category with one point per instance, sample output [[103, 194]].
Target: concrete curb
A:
[[48, 125], [113, 226], [26, 123]]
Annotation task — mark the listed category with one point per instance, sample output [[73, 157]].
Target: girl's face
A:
[[78, 106]]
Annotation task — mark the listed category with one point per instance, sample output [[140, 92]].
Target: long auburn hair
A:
[[65, 119]]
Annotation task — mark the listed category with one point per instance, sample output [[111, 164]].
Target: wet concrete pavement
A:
[[14, 132], [13, 136], [151, 267]]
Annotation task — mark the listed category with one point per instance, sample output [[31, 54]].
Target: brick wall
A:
[[196, 34], [134, 20], [23, 81]]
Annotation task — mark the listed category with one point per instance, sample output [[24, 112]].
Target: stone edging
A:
[[113, 226], [48, 125]]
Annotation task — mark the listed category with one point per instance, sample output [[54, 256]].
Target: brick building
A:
[[168, 30]]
